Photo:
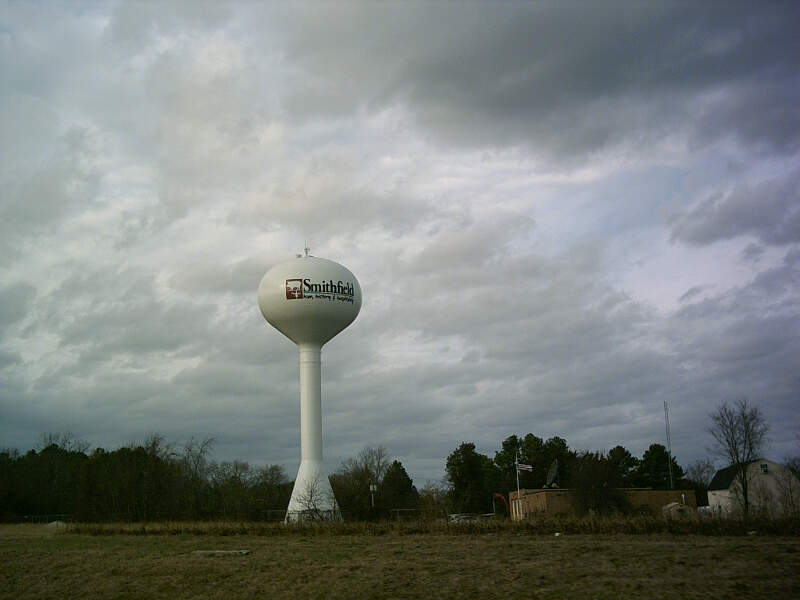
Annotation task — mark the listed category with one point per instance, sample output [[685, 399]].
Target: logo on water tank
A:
[[294, 289], [297, 289]]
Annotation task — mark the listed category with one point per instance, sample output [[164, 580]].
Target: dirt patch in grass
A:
[[42, 565]]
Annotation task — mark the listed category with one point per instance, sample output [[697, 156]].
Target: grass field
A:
[[37, 561]]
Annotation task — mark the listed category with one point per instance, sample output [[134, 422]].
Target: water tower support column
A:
[[310, 403], [312, 496]]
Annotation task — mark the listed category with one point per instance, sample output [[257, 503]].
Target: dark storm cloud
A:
[[566, 79], [556, 351], [691, 293], [8, 358], [136, 328], [110, 311], [768, 210], [537, 340], [758, 112], [745, 343], [40, 193], [753, 252], [15, 302]]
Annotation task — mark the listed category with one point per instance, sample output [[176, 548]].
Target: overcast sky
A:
[[561, 215]]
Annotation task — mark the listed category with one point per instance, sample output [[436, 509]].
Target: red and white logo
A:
[[294, 289]]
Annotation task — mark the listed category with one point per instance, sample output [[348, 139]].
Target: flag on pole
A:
[[522, 467]]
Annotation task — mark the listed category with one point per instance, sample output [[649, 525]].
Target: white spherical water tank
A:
[[310, 300]]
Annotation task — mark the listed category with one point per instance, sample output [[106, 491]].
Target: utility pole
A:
[[669, 445], [516, 470]]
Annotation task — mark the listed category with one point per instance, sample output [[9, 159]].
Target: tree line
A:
[[154, 480], [474, 478], [738, 434], [146, 481]]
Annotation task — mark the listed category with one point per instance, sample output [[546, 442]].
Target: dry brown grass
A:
[[35, 562], [538, 525]]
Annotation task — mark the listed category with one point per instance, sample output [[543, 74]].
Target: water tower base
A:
[[312, 497], [317, 515]]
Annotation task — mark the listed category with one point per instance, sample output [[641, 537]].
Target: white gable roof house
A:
[[773, 490]]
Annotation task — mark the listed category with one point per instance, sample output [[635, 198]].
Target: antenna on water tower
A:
[[669, 444], [310, 300]]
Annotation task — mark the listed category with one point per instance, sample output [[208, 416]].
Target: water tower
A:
[[310, 300]]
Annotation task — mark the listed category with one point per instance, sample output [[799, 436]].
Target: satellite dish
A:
[[310, 300]]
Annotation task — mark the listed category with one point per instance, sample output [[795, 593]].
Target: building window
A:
[[764, 468]]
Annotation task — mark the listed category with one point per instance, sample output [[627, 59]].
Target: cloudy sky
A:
[[561, 215]]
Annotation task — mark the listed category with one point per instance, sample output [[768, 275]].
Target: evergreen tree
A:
[[593, 480], [472, 477], [397, 490], [654, 469], [623, 467]]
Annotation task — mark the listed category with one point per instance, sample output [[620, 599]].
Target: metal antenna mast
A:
[[669, 444]]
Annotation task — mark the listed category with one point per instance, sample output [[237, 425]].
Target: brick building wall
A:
[[562, 501]]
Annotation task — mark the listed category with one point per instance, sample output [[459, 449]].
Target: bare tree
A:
[[433, 499], [156, 445], [66, 441], [314, 500], [701, 471], [793, 462], [195, 456], [353, 480], [789, 492], [788, 482], [195, 461], [375, 461], [231, 483], [739, 433]]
